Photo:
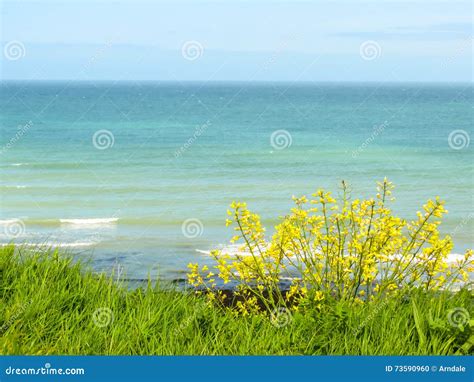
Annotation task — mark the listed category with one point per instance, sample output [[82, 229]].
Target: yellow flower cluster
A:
[[354, 250]]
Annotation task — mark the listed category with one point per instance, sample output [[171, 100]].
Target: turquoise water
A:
[[185, 151]]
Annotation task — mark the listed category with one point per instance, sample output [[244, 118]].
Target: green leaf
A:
[[419, 325]]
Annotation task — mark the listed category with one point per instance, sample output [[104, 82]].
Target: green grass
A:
[[47, 305]]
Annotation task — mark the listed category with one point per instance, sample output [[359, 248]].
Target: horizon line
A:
[[187, 81]]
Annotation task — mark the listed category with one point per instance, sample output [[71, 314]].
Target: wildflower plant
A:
[[351, 250]]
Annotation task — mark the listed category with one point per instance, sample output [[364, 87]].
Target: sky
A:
[[390, 41]]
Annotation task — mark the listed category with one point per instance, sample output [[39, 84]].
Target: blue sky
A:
[[239, 40]]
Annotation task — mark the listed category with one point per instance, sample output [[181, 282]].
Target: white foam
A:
[[230, 249], [8, 221], [89, 222], [19, 164], [450, 259], [238, 249], [76, 244], [454, 257], [203, 251], [7, 186]]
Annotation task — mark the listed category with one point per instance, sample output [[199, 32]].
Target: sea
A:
[[136, 177]]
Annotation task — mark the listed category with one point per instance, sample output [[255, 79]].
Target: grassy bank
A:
[[50, 305]]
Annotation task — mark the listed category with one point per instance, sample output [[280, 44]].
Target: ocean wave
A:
[[454, 257], [72, 223], [8, 221], [229, 249], [77, 244], [29, 221], [14, 187], [89, 222], [105, 222], [239, 249]]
